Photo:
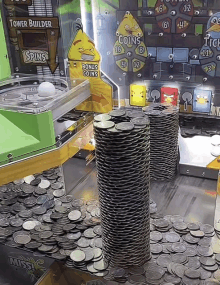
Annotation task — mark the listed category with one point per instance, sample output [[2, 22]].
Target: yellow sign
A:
[[138, 95], [129, 27], [130, 44], [85, 63]]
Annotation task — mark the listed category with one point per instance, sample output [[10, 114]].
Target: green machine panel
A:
[[32, 133], [5, 70]]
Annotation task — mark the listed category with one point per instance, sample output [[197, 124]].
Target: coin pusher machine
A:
[[38, 133]]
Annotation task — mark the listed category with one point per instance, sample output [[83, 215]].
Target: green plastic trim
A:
[[5, 70], [22, 134]]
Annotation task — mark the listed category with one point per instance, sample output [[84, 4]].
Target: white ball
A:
[[46, 89], [215, 140], [215, 151]]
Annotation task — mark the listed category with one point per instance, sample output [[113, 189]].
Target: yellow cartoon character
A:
[[84, 62], [202, 99], [138, 95], [129, 27], [83, 48]]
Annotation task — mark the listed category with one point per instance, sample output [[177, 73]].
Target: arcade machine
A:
[[55, 87], [5, 66], [169, 50], [146, 51], [50, 87]]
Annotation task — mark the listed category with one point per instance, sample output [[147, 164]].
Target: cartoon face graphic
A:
[[129, 27], [137, 95], [168, 98], [83, 48], [169, 95], [213, 26], [202, 99]]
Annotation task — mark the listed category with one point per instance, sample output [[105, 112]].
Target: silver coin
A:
[[59, 193], [28, 179], [72, 236], [16, 222], [22, 239], [90, 268], [56, 185], [89, 254], [198, 233], [78, 255], [89, 233], [44, 184], [74, 215], [18, 181], [98, 230], [101, 265], [19, 233], [30, 225], [83, 242], [172, 237]]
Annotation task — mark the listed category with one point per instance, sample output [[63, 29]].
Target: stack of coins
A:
[[118, 116], [164, 126], [122, 159]]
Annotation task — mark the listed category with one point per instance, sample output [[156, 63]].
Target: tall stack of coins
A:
[[122, 157], [164, 127]]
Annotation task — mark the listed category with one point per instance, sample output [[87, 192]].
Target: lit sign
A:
[[35, 56], [90, 70]]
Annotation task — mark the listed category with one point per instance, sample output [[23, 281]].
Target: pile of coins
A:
[[122, 160], [70, 231], [164, 127], [182, 253], [36, 215]]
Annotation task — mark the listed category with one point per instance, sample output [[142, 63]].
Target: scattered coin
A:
[[28, 179], [35, 182], [172, 237], [19, 181], [58, 193], [44, 184], [22, 239], [198, 233], [30, 225], [78, 255], [16, 222], [207, 261], [193, 274], [193, 227], [207, 229], [100, 265], [74, 215]]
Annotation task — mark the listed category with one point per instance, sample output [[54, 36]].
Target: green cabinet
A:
[[5, 70]]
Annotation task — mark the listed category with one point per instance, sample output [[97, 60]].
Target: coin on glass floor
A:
[[78, 255]]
